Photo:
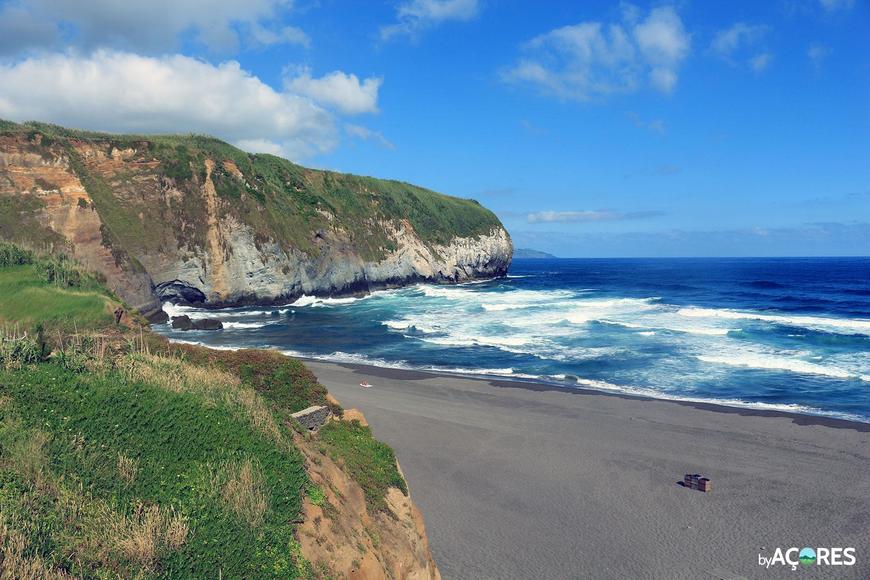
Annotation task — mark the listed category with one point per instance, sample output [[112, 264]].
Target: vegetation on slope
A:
[[122, 455], [280, 200], [53, 291], [368, 461]]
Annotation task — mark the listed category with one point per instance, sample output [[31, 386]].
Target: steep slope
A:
[[125, 456], [192, 219]]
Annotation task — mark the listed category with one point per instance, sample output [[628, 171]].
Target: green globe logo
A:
[[807, 556]]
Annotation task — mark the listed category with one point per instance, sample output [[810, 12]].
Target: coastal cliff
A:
[[191, 219]]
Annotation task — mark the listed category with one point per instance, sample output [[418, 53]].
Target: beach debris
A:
[[313, 417], [695, 481], [365, 385]]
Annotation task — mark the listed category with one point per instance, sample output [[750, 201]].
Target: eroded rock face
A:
[[180, 240], [344, 537]]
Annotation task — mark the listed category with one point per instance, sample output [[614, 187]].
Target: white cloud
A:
[[760, 61], [739, 43], [817, 53], [414, 16], [150, 26], [285, 35], [592, 59], [343, 91], [366, 134], [832, 5], [736, 37], [123, 92], [261, 146], [586, 216]]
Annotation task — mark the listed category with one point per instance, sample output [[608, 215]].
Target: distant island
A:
[[527, 254]]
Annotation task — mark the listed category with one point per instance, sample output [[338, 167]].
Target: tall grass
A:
[[18, 348], [243, 489]]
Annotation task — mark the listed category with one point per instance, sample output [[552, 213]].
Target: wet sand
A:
[[519, 480]]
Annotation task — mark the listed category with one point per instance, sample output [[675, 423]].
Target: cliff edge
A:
[[194, 220]]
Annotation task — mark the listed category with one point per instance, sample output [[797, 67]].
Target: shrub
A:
[[16, 351], [61, 271], [12, 255]]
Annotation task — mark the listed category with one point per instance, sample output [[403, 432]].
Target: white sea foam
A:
[[244, 325], [317, 301], [593, 384], [835, 325], [776, 362]]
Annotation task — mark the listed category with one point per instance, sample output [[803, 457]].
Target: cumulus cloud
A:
[[594, 59], [366, 134], [152, 26], [343, 91], [123, 92], [587, 216], [414, 16]]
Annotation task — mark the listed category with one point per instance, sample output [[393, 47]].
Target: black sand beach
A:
[[526, 481]]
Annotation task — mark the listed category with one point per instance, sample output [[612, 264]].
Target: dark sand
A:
[[525, 481]]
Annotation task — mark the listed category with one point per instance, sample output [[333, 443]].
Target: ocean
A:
[[788, 334]]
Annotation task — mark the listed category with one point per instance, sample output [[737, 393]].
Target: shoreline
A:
[[525, 480], [820, 417], [541, 385]]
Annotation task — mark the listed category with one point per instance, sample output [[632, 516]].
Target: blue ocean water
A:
[[790, 334]]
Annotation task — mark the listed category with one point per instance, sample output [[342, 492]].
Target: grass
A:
[[122, 455], [55, 429], [284, 381], [28, 299], [371, 463], [50, 290]]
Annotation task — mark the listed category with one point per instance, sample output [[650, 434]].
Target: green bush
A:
[[18, 351], [12, 255]]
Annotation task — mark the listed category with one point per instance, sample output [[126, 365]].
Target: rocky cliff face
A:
[[195, 220], [347, 538]]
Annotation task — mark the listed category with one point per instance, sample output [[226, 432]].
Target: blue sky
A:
[[592, 129]]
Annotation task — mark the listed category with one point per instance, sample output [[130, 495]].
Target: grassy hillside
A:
[[280, 200], [122, 455], [50, 291]]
